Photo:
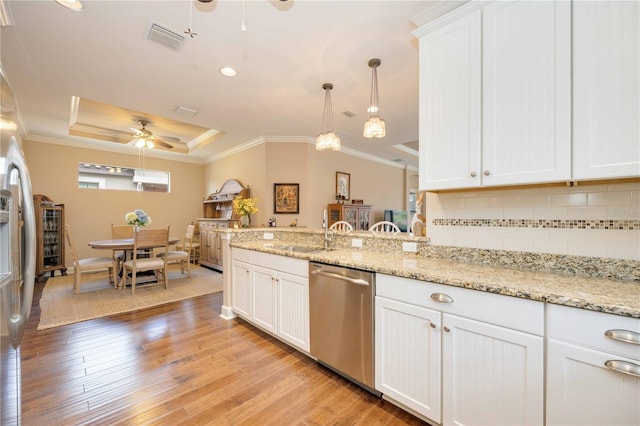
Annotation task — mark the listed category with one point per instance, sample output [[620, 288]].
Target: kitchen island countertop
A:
[[597, 294]]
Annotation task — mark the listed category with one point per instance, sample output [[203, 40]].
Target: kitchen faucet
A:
[[325, 225]]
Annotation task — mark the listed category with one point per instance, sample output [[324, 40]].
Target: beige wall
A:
[[90, 212], [285, 162]]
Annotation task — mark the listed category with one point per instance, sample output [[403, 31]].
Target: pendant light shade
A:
[[327, 139], [374, 126]]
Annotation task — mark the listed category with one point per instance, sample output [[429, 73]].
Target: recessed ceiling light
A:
[[228, 72], [71, 4]]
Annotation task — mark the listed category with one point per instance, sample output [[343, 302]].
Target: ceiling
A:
[[53, 57]]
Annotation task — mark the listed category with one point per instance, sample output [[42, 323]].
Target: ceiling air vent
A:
[[348, 114], [164, 36]]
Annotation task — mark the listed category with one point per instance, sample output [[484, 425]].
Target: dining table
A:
[[125, 244]]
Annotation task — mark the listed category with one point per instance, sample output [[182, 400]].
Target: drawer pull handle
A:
[[626, 336], [441, 297], [623, 367]]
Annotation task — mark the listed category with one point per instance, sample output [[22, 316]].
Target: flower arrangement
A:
[[245, 206], [137, 217]]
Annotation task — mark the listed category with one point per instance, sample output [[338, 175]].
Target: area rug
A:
[[97, 298]]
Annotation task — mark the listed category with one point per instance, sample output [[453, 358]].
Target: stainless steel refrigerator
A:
[[17, 255]]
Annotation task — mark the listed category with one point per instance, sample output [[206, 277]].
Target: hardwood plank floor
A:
[[181, 364]]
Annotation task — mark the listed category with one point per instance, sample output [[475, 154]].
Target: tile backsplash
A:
[[597, 220]]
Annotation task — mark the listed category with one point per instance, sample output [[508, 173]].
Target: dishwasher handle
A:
[[357, 281]]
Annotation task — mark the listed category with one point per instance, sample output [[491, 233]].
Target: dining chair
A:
[[87, 265], [147, 239], [182, 257], [341, 225], [384, 226], [194, 246]]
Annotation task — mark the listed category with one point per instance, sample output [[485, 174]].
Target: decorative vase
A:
[[244, 221], [136, 228]]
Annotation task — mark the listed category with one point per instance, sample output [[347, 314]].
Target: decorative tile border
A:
[[627, 225]]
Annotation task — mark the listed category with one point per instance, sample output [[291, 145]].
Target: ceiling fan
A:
[[144, 138]]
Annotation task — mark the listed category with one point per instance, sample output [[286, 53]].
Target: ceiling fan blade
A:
[[162, 143], [169, 138]]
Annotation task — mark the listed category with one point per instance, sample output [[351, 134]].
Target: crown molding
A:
[[119, 148]]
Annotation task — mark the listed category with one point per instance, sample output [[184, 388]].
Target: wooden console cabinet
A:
[[358, 215], [217, 212]]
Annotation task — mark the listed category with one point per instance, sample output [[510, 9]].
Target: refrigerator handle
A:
[[18, 320]]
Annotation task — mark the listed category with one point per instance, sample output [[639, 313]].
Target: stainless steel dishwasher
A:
[[341, 316]]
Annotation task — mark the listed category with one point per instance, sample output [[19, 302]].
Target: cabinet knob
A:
[[447, 329], [432, 325], [487, 172], [473, 174]]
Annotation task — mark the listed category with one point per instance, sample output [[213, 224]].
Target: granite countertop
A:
[[597, 294]]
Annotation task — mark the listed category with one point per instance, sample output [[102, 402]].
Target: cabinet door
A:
[[293, 309], [364, 218], [450, 117], [490, 375], [351, 216], [241, 288], [606, 89], [263, 298], [581, 390], [526, 92], [204, 245], [408, 355]]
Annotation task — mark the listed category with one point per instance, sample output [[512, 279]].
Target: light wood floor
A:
[[181, 364]]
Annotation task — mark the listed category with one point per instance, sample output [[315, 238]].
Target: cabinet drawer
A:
[[241, 254], [281, 263], [511, 312], [589, 328], [207, 225]]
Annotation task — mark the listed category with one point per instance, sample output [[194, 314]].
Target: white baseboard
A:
[[227, 313]]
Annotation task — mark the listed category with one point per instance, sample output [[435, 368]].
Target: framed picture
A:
[[343, 185], [286, 198]]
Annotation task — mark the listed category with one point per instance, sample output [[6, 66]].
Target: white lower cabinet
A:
[[593, 368], [490, 375], [458, 356], [270, 298], [407, 357], [241, 288]]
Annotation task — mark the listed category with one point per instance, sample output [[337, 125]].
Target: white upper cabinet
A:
[[495, 95], [606, 89], [526, 92], [450, 115]]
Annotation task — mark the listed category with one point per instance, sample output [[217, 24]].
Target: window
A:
[[100, 176]]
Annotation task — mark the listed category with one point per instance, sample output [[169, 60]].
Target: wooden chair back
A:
[[150, 238], [72, 250], [121, 231]]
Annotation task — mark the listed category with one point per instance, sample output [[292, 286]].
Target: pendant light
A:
[[374, 126], [328, 139]]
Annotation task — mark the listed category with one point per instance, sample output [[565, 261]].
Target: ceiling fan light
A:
[[150, 144], [374, 128], [139, 143]]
